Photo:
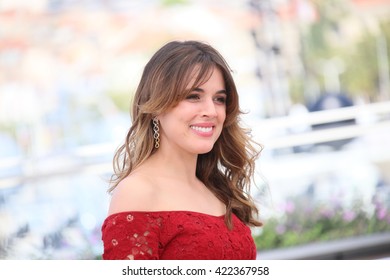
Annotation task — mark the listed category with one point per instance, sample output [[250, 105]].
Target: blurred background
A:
[[313, 78]]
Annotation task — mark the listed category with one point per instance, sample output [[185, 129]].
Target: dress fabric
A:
[[175, 235]]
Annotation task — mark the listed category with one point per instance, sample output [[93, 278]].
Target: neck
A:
[[175, 165]]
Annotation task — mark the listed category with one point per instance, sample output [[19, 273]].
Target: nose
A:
[[209, 109]]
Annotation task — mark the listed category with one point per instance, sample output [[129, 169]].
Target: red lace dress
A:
[[175, 235]]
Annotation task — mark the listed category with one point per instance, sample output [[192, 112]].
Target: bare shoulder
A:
[[134, 193]]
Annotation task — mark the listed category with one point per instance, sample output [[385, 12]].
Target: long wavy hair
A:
[[227, 170]]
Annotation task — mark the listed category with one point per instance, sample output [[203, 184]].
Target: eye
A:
[[220, 99], [193, 96]]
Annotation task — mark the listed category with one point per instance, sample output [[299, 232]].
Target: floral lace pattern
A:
[[177, 235]]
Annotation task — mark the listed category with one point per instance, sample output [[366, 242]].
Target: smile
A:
[[202, 129]]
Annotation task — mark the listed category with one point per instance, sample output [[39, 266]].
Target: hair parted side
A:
[[228, 168]]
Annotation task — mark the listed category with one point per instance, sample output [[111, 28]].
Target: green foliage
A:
[[296, 90], [121, 100], [362, 71], [312, 223], [326, 38], [168, 3]]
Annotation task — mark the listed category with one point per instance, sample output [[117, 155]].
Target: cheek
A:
[[222, 114]]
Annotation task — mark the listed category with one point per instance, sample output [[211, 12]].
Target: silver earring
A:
[[156, 133]]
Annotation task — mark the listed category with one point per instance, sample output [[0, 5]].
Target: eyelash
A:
[[193, 96], [220, 100]]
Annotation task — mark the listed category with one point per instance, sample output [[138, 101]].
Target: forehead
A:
[[200, 75]]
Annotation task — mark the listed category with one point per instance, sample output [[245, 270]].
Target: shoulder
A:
[[134, 193]]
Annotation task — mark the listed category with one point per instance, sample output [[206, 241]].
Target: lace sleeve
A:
[[131, 235]]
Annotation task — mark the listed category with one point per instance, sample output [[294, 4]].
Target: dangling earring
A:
[[156, 133]]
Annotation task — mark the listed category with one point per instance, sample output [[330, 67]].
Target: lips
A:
[[204, 129]]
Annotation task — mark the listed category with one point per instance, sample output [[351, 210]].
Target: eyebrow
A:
[[221, 91]]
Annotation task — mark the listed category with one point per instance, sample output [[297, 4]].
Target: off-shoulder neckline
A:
[[166, 212]]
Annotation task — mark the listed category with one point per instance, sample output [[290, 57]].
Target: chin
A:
[[204, 150]]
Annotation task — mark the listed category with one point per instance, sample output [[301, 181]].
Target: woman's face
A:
[[195, 124]]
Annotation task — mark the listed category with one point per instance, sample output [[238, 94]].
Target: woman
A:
[[181, 184]]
